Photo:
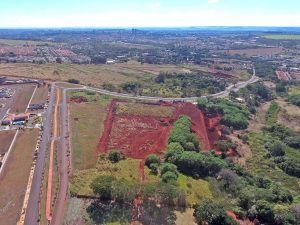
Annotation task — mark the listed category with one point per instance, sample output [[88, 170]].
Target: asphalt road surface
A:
[[63, 163], [221, 94], [33, 209]]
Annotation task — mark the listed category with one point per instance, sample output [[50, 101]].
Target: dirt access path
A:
[[50, 173]]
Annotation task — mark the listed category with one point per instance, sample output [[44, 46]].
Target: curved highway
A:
[[221, 94]]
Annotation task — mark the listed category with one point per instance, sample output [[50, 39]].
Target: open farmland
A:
[[95, 75], [22, 99], [6, 138], [40, 95], [86, 125], [256, 51], [15, 177], [10, 42], [283, 37]]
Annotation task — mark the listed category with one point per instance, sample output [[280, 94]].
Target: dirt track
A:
[[50, 173]]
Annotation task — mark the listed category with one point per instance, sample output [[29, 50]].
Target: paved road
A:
[[63, 164], [221, 94], [32, 213]]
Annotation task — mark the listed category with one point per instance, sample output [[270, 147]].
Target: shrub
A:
[[102, 185], [115, 156], [169, 177], [73, 81], [212, 213], [152, 158]]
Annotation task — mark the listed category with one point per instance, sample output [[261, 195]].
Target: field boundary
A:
[[8, 153]]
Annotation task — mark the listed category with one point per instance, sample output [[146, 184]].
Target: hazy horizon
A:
[[148, 13]]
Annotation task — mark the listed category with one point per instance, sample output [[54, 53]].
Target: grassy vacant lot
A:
[[86, 121], [196, 190], [15, 177], [5, 140], [94, 75], [272, 113], [22, 99], [9, 42], [40, 95], [144, 109], [256, 51], [128, 169], [283, 37], [289, 115], [266, 167]]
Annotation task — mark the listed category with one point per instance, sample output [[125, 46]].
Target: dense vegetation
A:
[[271, 116], [174, 85], [233, 115]]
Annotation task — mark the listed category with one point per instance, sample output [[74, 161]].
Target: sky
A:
[[148, 13]]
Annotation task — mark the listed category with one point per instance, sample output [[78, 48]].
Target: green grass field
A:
[[272, 113], [196, 190], [128, 169], [86, 121], [265, 167], [282, 37]]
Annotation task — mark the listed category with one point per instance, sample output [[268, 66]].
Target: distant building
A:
[[36, 106], [110, 61], [18, 119], [2, 79]]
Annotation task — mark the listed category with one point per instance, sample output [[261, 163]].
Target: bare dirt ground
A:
[[22, 99], [289, 115], [138, 135], [40, 95], [6, 138], [258, 121], [15, 177]]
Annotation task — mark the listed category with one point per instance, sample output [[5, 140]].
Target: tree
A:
[[102, 186], [230, 180], [152, 158], [168, 167], [58, 60], [115, 156], [124, 191], [277, 148], [73, 81], [173, 153], [263, 211], [169, 177], [212, 213]]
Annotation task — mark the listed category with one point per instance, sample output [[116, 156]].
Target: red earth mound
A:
[[138, 136]]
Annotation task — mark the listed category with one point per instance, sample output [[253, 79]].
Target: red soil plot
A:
[[198, 121], [138, 136]]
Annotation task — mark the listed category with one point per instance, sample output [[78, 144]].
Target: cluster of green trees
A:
[[256, 196], [282, 139], [182, 134], [254, 95], [212, 213], [183, 151], [115, 156], [110, 188], [234, 114], [265, 70], [224, 145], [295, 99], [73, 81], [190, 84]]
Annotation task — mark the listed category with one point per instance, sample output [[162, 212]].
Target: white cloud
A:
[[213, 1]]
